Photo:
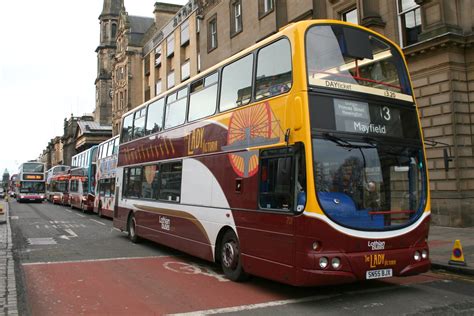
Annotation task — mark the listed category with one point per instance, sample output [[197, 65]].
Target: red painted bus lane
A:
[[141, 286]]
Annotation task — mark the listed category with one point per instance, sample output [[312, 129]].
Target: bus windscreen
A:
[[335, 61]]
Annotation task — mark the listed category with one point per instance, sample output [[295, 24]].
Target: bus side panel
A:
[[266, 238], [175, 232]]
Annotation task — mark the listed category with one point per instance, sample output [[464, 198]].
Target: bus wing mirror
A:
[[356, 44]]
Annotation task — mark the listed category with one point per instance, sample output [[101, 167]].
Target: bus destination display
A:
[[360, 117], [33, 177]]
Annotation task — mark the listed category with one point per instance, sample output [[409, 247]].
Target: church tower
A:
[[105, 59]]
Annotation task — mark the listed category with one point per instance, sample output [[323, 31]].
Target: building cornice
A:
[[445, 40]]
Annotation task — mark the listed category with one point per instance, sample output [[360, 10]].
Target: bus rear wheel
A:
[[230, 257], [132, 229]]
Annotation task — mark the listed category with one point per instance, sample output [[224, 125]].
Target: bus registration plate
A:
[[377, 274]]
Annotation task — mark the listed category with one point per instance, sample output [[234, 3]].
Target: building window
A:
[[185, 70], [264, 7], [236, 16], [185, 33], [171, 79], [158, 87], [350, 16], [212, 34], [158, 56], [147, 65], [410, 21], [114, 31], [170, 46]]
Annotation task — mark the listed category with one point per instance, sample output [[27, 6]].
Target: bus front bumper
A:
[[318, 269]]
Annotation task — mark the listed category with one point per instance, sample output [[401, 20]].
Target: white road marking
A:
[[68, 210], [97, 222], [71, 232], [14, 217], [314, 298], [80, 215], [94, 260], [41, 241]]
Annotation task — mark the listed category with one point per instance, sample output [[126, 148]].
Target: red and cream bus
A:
[[30, 183], [59, 189], [300, 159], [51, 190], [107, 155]]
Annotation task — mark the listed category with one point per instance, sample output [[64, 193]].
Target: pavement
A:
[[8, 293], [441, 243]]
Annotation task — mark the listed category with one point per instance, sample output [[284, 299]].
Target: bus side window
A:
[[276, 180], [236, 84], [273, 75], [127, 128]]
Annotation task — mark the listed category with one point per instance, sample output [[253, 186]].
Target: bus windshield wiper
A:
[[344, 143]]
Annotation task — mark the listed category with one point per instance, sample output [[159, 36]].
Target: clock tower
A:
[[105, 59]]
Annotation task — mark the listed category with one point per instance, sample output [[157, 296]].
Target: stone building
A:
[[171, 53], [105, 60], [128, 86]]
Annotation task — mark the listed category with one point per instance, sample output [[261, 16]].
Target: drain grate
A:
[[41, 241]]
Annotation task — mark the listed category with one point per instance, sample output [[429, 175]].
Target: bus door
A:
[[271, 249]]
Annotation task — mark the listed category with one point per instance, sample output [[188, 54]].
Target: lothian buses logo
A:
[[376, 245]]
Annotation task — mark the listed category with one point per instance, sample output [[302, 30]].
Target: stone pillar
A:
[[370, 16], [319, 9]]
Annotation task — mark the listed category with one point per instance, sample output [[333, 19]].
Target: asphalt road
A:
[[70, 263]]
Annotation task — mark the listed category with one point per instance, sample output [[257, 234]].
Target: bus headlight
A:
[[323, 262], [417, 256], [424, 254], [336, 263]]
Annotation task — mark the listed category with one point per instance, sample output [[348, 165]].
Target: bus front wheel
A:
[[132, 229], [230, 257]]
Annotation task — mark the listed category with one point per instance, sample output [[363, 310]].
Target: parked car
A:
[[2, 193]]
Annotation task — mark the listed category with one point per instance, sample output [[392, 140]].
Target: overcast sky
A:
[[48, 66]]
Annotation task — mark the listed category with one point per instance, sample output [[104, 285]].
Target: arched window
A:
[[114, 30]]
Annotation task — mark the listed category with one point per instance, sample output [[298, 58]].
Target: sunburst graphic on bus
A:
[[250, 127]]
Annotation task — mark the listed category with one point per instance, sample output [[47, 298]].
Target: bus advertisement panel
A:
[[107, 155], [300, 159], [30, 184]]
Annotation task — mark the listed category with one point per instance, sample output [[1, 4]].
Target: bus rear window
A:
[[347, 58]]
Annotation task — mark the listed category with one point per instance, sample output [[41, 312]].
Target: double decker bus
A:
[[56, 183], [30, 183], [82, 179], [107, 155], [299, 159]]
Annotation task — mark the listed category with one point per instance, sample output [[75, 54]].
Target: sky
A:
[[48, 66]]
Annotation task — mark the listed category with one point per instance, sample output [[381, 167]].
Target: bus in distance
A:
[[82, 180], [299, 159], [107, 155], [51, 191], [30, 183]]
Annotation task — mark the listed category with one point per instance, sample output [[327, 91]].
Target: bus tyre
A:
[[132, 230], [230, 257]]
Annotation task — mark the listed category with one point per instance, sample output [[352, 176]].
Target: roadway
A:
[[70, 263]]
